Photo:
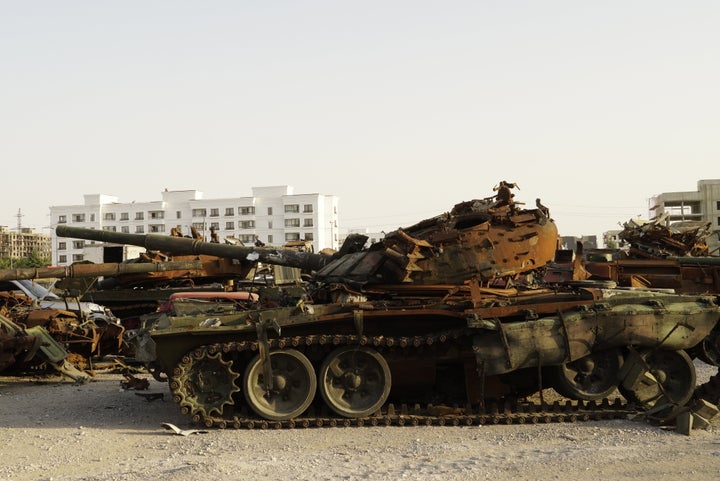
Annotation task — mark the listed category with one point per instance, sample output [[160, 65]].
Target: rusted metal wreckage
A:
[[674, 257], [23, 348], [450, 319], [658, 256], [80, 329], [134, 290]]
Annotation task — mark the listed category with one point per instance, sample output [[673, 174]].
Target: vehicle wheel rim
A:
[[294, 385], [355, 381], [590, 378], [669, 381]]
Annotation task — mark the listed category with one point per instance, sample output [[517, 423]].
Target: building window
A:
[[109, 216], [110, 228], [77, 257], [270, 239], [62, 259], [270, 224], [292, 208], [307, 208], [269, 210], [292, 222], [717, 205], [156, 228], [247, 238], [229, 211], [247, 224], [214, 212], [124, 216], [215, 225], [250, 210], [199, 212], [62, 219], [178, 214], [62, 246], [229, 225], [156, 214], [78, 217], [125, 229], [307, 222], [199, 225], [139, 229], [139, 215], [292, 236], [92, 217], [309, 236], [78, 244]]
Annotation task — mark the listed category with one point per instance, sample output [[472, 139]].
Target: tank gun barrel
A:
[[187, 246], [696, 261], [96, 270]]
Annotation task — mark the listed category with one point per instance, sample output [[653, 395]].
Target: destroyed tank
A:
[[86, 329], [132, 292], [127, 289], [447, 320]]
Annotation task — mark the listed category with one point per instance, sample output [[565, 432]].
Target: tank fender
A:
[[572, 335]]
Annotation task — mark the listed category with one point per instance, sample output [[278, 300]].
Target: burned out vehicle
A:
[[84, 329], [447, 320], [134, 290], [658, 256], [27, 349], [76, 280]]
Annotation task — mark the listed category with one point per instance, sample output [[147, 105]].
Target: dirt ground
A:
[[54, 430]]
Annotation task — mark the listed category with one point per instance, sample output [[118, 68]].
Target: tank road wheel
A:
[[669, 380], [354, 381], [592, 377], [293, 385], [207, 384]]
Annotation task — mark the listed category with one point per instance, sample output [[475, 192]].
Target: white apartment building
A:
[[272, 215]]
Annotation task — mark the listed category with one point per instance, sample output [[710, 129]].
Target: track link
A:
[[507, 412]]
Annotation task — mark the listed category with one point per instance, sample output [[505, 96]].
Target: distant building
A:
[[272, 215], [611, 238], [702, 206], [570, 242], [373, 237], [24, 243]]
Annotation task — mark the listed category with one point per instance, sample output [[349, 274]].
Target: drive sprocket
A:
[[203, 383]]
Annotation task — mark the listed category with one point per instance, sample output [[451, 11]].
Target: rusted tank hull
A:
[[449, 355]]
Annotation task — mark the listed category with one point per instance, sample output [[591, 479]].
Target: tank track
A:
[[520, 414], [503, 412]]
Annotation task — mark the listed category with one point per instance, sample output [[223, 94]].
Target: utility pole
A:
[[19, 216]]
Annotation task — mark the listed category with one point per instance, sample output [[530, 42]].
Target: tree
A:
[[34, 260]]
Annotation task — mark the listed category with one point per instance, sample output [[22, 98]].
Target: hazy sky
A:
[[400, 108]]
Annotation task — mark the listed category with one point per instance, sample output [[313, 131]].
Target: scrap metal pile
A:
[[68, 338], [85, 337], [23, 348], [446, 321], [656, 240]]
